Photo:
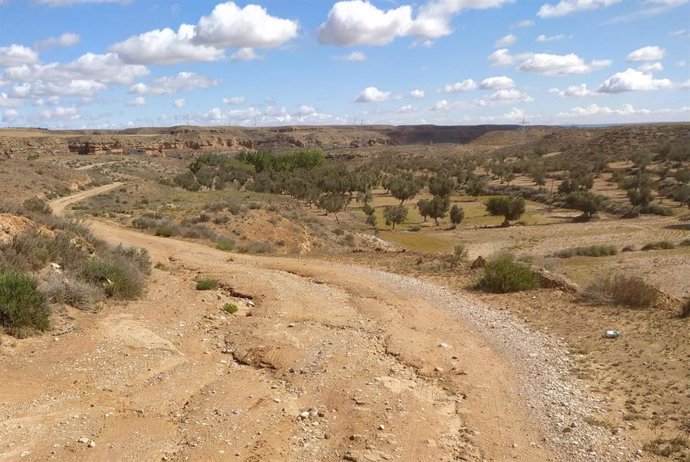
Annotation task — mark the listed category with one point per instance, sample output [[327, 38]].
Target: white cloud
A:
[[359, 22], [228, 26], [684, 85], [578, 91], [442, 105], [649, 68], [235, 100], [354, 56], [457, 87], [510, 95], [65, 40], [523, 24], [551, 38], [58, 114], [78, 2], [10, 116], [497, 83], [179, 103], [417, 94], [184, 81], [505, 41], [408, 109], [373, 95], [501, 57], [246, 54], [594, 109], [6, 101], [566, 7], [649, 53], [680, 33], [550, 64], [633, 80], [17, 55], [138, 101]]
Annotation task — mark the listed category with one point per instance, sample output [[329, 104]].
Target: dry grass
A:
[[620, 290]]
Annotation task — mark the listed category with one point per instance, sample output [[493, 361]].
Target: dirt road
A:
[[322, 362]]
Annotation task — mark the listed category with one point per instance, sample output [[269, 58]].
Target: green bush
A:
[[207, 284], [22, 307], [230, 308], [121, 272], [225, 243], [621, 290], [36, 205], [166, 231], [589, 251], [503, 274], [659, 245]]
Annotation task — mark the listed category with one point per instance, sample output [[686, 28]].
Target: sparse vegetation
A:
[[588, 251], [659, 245], [503, 274], [230, 308], [622, 290], [207, 284], [22, 306]]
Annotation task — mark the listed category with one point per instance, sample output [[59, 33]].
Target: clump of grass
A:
[[503, 274], [225, 244], [622, 290], [120, 278], [166, 231], [685, 309], [230, 308], [458, 256], [59, 289], [22, 307], [588, 251], [628, 248], [257, 247], [668, 447], [207, 284], [659, 245]]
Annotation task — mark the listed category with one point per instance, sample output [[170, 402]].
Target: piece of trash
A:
[[612, 334]]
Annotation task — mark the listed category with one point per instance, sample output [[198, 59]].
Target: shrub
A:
[[225, 243], [589, 251], [257, 247], [503, 274], [59, 289], [230, 308], [22, 307], [121, 272], [621, 290], [36, 205], [414, 228], [166, 231], [659, 245], [458, 256], [207, 284]]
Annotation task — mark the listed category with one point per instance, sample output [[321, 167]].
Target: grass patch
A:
[[225, 244], [588, 251], [207, 284], [668, 447], [230, 308], [620, 290], [22, 307], [80, 295], [257, 247], [659, 245], [503, 274]]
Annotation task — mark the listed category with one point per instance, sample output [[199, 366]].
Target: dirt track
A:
[[322, 362]]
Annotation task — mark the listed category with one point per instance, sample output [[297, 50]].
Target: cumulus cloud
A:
[[567, 7], [184, 81], [17, 55], [649, 68], [407, 109], [505, 41], [550, 64], [594, 109], [7, 101], [417, 94], [523, 24], [579, 91], [235, 100], [246, 54], [649, 53], [551, 38], [228, 26], [10, 116], [359, 22], [179, 103], [58, 114], [510, 95], [442, 105], [501, 57], [65, 40], [633, 80], [458, 87], [373, 95], [354, 56], [138, 101], [497, 83]]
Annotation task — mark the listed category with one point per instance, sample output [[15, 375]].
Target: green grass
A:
[[207, 284], [230, 308], [503, 274], [22, 307]]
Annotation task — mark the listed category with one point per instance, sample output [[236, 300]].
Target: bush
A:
[[207, 284], [59, 289], [120, 271], [257, 247], [166, 231], [22, 307], [414, 228], [589, 251], [621, 290], [230, 308], [458, 256], [503, 274], [225, 243], [659, 245], [36, 205]]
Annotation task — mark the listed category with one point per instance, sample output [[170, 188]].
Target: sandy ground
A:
[[323, 362]]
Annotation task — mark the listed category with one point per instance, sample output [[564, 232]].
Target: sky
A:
[[111, 64]]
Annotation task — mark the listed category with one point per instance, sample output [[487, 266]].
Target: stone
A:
[[479, 262]]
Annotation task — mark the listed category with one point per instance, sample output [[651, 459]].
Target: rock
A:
[[87, 442], [443, 345], [551, 280], [382, 427], [480, 262]]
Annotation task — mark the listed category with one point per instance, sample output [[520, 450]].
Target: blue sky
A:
[[120, 63]]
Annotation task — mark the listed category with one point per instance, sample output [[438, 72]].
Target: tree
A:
[[441, 185], [641, 159], [640, 197], [682, 194], [394, 215], [371, 220], [457, 214], [511, 208], [404, 186], [476, 186], [332, 203], [438, 207], [423, 207], [509, 177], [368, 210], [586, 202]]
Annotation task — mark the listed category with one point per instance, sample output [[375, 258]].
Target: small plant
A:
[[685, 243], [207, 284], [230, 308], [590, 251], [621, 290], [36, 205], [503, 274], [22, 307], [685, 309], [225, 244], [414, 228], [165, 231], [659, 245], [458, 256]]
